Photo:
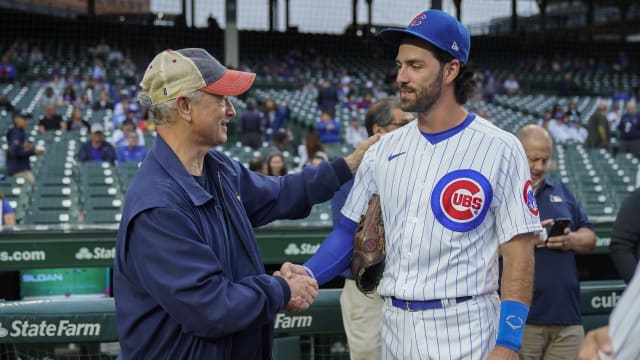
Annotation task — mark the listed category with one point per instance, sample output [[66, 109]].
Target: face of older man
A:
[[211, 116]]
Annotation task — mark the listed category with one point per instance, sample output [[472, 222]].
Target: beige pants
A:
[[551, 342], [361, 317], [27, 175]]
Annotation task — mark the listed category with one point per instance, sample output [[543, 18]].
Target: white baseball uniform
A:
[[624, 323], [448, 201]]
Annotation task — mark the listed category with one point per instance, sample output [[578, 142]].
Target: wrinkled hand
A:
[[353, 160], [596, 342], [304, 289], [502, 353]]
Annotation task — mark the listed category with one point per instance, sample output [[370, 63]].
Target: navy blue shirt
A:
[[17, 157], [556, 294]]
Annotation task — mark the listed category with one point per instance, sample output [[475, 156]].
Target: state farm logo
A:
[[461, 199]]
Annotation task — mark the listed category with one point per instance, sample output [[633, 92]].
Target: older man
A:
[[189, 281]]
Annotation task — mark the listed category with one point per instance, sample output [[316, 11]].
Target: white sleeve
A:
[[624, 323], [517, 211], [363, 187]]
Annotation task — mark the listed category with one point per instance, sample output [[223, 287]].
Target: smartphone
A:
[[558, 227]]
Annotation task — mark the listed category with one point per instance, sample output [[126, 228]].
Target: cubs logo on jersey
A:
[[530, 198], [461, 199]]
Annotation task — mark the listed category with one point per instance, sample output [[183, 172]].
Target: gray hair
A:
[[380, 114], [162, 114]]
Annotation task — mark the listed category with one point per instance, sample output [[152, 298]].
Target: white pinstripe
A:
[[624, 324], [425, 259]]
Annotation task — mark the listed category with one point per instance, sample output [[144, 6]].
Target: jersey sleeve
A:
[[363, 187], [517, 211]]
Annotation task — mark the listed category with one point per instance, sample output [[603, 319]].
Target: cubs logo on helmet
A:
[[418, 19], [530, 198], [461, 199]]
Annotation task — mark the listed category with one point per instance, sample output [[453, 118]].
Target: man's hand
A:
[[353, 160], [596, 342], [502, 353], [304, 289]]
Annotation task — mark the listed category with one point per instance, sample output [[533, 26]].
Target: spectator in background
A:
[[559, 129], [274, 117], [104, 102], [257, 164], [327, 97], [77, 123], [97, 149], [35, 56], [68, 96], [133, 151], [20, 149], [629, 130], [282, 141], [98, 72], [49, 97], [350, 103], [598, 129], [310, 148], [8, 72], [122, 109], [251, 125], [355, 133], [365, 102], [576, 132], [620, 94], [546, 118], [556, 111], [572, 111], [511, 85], [51, 121], [625, 237], [8, 214], [614, 116], [554, 324], [120, 136], [83, 102], [328, 129], [276, 165], [5, 104]]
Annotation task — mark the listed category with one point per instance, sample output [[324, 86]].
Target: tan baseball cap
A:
[[174, 73]]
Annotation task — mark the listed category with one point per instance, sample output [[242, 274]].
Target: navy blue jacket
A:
[[17, 157], [176, 293], [107, 152], [556, 291]]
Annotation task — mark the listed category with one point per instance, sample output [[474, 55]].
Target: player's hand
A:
[[353, 160], [502, 353], [288, 268], [595, 342], [304, 290]]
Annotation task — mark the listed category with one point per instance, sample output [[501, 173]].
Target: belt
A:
[[417, 305]]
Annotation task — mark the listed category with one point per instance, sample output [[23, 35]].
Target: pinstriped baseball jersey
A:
[[448, 203], [624, 324]]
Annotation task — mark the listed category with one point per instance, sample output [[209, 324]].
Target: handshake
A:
[[304, 288]]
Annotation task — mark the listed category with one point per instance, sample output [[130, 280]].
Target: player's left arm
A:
[[516, 291]]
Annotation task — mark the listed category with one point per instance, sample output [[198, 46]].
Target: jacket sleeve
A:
[[268, 198], [84, 154], [625, 238], [182, 273]]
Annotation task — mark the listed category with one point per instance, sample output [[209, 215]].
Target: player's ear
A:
[[451, 71]]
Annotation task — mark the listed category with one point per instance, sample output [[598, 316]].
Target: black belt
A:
[[417, 305]]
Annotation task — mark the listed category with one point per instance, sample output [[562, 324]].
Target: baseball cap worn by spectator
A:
[[174, 73], [437, 28], [97, 128]]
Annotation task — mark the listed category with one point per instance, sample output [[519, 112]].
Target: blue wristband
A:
[[513, 317]]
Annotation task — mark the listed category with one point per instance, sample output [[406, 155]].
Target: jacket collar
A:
[[169, 161]]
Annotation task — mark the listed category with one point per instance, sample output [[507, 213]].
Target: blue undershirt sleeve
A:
[[334, 254]]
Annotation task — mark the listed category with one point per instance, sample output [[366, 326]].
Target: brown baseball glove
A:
[[367, 262]]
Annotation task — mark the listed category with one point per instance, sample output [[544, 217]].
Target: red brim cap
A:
[[231, 83]]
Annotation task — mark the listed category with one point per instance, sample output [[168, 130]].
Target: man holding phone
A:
[[554, 325]]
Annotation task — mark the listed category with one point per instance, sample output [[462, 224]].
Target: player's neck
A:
[[441, 118]]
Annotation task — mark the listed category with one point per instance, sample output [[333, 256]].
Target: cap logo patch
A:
[[418, 20], [454, 46]]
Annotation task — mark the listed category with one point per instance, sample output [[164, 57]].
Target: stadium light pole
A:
[[231, 48]]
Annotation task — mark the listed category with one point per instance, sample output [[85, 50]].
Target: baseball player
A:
[[454, 190]]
